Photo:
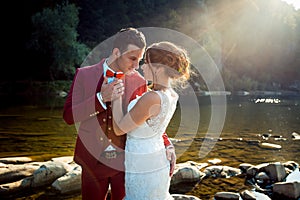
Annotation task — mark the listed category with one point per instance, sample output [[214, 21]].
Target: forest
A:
[[254, 43]]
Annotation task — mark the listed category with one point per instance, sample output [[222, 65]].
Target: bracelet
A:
[[170, 147]]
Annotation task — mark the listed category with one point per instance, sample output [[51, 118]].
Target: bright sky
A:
[[295, 3]]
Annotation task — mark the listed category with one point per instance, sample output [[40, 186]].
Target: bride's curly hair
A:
[[172, 57]]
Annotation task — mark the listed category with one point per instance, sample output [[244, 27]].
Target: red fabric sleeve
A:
[[167, 141], [67, 112], [81, 103]]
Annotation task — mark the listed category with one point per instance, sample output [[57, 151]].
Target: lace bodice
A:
[[159, 123], [145, 143], [145, 154]]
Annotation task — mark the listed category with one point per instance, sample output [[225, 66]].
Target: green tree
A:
[[55, 39], [100, 20]]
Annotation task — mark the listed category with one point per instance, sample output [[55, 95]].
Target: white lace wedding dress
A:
[[147, 168]]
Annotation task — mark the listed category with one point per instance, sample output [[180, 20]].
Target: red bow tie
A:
[[110, 73]]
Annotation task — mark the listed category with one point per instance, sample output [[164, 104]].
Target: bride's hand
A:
[[118, 89], [171, 156]]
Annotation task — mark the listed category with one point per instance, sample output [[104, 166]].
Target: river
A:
[[40, 132]]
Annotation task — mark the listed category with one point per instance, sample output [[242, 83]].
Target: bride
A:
[[147, 167]]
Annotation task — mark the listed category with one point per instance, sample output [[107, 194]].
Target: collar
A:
[[105, 68]]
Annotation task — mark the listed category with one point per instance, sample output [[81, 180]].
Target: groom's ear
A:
[[116, 52]]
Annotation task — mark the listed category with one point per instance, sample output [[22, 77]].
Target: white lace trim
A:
[[147, 168]]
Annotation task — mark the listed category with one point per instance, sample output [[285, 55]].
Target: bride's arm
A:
[[118, 114], [147, 106]]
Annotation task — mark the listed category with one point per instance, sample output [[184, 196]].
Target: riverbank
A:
[[40, 132], [25, 92], [24, 178]]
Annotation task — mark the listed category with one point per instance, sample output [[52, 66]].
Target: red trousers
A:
[[95, 186]]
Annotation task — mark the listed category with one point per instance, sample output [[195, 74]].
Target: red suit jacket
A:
[[93, 122]]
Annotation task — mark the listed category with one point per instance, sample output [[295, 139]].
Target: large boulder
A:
[[287, 190], [186, 173], [14, 172], [185, 176], [68, 183], [49, 172]]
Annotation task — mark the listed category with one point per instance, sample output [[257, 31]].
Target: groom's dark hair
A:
[[128, 36]]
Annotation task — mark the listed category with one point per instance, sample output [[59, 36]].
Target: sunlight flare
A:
[[294, 3]]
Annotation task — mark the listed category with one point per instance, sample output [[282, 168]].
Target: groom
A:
[[98, 150]]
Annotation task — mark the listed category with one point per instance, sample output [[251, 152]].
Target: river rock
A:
[[49, 172], [186, 172], [287, 190], [11, 173], [193, 163], [15, 160], [252, 171], [244, 167], [221, 171], [213, 171], [266, 145], [214, 161], [247, 195], [69, 183], [262, 178], [184, 197], [290, 166], [275, 171], [293, 176], [65, 159], [227, 196], [10, 189], [230, 171], [261, 196], [295, 136]]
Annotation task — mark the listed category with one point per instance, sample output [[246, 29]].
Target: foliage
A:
[[257, 39], [256, 43], [108, 17], [30, 88], [55, 37]]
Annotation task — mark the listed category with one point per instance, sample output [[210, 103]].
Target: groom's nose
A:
[[136, 65]]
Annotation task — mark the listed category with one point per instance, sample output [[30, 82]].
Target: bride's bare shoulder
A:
[[151, 97]]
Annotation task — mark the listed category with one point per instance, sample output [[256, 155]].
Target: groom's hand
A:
[[171, 156], [113, 90]]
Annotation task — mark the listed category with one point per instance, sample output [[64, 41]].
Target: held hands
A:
[[171, 156], [113, 90]]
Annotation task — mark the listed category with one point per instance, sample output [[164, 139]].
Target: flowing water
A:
[[40, 132]]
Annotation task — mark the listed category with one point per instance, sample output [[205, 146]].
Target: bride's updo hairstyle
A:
[[173, 58]]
